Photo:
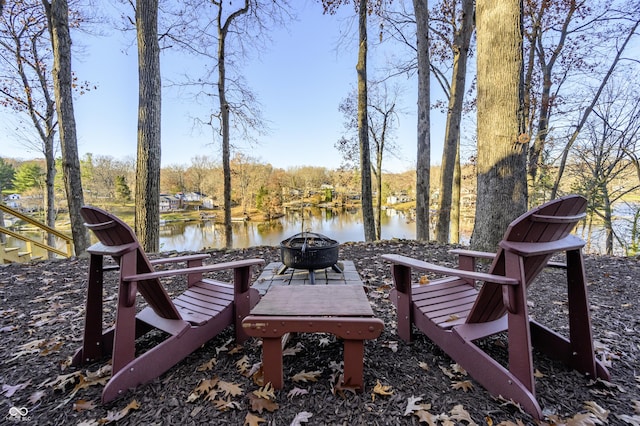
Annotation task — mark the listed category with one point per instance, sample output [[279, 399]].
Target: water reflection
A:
[[342, 225]]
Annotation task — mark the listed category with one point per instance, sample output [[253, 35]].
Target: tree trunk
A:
[[58, 17], [502, 185], [454, 238], [461, 42], [147, 222], [223, 30], [423, 154], [49, 193], [368, 218], [535, 151], [226, 148]]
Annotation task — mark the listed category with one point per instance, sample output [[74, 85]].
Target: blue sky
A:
[[299, 81]]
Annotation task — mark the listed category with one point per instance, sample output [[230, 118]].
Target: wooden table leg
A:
[[354, 363], [272, 361]]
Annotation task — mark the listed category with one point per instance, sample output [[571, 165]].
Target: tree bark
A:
[[147, 193], [423, 160], [58, 16], [502, 186], [368, 218], [223, 29], [461, 41]]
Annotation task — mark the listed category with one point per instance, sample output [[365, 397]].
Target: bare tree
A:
[[57, 12], [589, 109], [226, 33], [451, 150], [382, 120], [601, 168], [27, 86], [502, 186]]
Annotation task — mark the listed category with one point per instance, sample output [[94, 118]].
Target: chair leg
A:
[[581, 339], [401, 295], [92, 344], [519, 332]]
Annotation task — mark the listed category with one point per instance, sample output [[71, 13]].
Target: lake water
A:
[[342, 225]]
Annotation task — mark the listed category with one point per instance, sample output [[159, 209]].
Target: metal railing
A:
[[30, 241]]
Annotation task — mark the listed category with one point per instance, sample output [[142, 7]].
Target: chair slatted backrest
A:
[[549, 222], [113, 232]]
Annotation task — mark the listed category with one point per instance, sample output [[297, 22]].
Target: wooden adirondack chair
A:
[[454, 314], [205, 309]]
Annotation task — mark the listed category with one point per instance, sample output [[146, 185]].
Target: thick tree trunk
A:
[[368, 218], [502, 186], [461, 42], [423, 160], [58, 16], [147, 193]]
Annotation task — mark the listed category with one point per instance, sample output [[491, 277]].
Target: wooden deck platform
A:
[[328, 276]]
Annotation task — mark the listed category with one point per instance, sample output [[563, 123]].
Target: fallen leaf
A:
[[296, 391], [243, 365], [380, 389], [465, 385], [423, 365], [460, 414], [260, 404], [204, 387], [423, 280], [114, 416], [537, 374], [302, 417], [597, 410], [224, 348], [226, 405], [229, 388], [324, 342], [293, 350], [426, 417], [412, 406], [304, 376], [253, 420], [266, 392], [82, 405], [208, 365], [9, 390]]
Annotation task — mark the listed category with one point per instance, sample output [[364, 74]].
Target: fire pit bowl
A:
[[308, 250]]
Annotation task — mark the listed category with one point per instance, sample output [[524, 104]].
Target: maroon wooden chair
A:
[[453, 313], [198, 314]]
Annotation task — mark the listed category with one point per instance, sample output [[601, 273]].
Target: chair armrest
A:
[[177, 259], [473, 253], [430, 267], [570, 242], [198, 269]]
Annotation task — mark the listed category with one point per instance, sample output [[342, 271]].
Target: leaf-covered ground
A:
[[41, 323]]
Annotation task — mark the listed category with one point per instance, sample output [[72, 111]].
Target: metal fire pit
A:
[[308, 250]]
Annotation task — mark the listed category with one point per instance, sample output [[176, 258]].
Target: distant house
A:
[[168, 203], [13, 201], [397, 199]]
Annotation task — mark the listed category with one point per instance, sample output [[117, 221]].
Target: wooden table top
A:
[[311, 300]]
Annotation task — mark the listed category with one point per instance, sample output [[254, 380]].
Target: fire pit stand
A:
[[311, 251]]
